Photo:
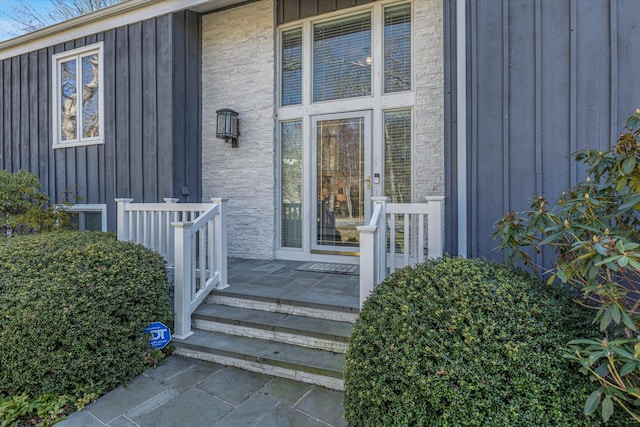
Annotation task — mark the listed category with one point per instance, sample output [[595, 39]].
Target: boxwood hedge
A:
[[456, 342], [72, 308]]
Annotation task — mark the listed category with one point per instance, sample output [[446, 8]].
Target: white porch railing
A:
[[379, 243], [192, 237]]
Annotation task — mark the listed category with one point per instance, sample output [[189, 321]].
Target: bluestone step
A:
[[308, 365], [315, 304], [309, 332]]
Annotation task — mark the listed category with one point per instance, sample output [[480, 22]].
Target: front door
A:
[[341, 181]]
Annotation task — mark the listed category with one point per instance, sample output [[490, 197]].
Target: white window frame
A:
[[81, 209], [378, 102], [56, 60]]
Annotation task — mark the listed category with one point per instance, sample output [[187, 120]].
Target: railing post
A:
[[122, 219], [435, 226], [182, 280], [368, 271], [381, 239], [170, 218], [220, 245]]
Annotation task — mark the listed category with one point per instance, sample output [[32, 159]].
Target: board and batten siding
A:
[[545, 79], [152, 108], [293, 10]]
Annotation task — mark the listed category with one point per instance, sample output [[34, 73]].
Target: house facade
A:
[[338, 101]]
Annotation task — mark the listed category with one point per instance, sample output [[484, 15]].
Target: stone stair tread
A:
[[279, 322], [307, 298], [255, 350]]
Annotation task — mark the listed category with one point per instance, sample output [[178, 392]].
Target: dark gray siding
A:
[[546, 78], [152, 117], [292, 10]]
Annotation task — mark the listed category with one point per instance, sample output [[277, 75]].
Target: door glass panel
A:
[[340, 186], [291, 167]]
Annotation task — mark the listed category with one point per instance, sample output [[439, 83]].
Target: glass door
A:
[[342, 184]]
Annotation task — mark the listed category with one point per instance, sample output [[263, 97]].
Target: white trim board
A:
[[461, 115], [115, 16]]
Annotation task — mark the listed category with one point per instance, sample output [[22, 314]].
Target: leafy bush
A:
[[73, 306], [24, 207], [594, 233], [464, 342]]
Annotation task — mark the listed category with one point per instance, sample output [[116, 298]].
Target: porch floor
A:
[[279, 280]]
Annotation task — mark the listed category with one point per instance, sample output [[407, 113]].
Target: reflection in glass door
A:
[[342, 182]]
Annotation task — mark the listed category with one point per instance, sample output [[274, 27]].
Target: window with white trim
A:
[[77, 101], [88, 217]]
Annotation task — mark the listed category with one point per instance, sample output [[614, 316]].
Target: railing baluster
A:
[[420, 245], [172, 237], [407, 237], [194, 277], [202, 235], [392, 243], [210, 257]]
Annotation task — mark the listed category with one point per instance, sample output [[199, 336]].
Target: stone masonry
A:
[[238, 63], [428, 66]]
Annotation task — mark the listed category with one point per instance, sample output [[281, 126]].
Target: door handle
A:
[[368, 181]]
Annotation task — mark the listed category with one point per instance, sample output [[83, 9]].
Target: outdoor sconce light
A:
[[227, 126]]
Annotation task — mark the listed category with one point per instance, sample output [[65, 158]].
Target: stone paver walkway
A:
[[184, 392]]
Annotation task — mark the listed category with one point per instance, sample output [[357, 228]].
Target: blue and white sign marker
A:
[[160, 335]]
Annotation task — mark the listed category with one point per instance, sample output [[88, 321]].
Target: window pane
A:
[[397, 156], [397, 48], [292, 67], [93, 221], [90, 94], [68, 107], [86, 221], [342, 58], [291, 184]]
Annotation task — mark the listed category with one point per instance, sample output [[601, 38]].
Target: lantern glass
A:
[[227, 126]]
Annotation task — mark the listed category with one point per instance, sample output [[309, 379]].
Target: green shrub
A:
[[456, 342], [73, 306], [24, 207], [593, 229]]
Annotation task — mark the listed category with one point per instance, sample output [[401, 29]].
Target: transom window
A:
[[342, 58], [77, 97]]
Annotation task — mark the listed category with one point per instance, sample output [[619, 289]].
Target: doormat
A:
[[326, 267]]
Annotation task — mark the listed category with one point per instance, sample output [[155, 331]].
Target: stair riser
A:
[[300, 340], [283, 308], [306, 377]]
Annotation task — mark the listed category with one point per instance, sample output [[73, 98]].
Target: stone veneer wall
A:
[[238, 66], [238, 63], [428, 63]]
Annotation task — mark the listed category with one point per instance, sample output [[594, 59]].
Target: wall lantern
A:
[[227, 126]]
